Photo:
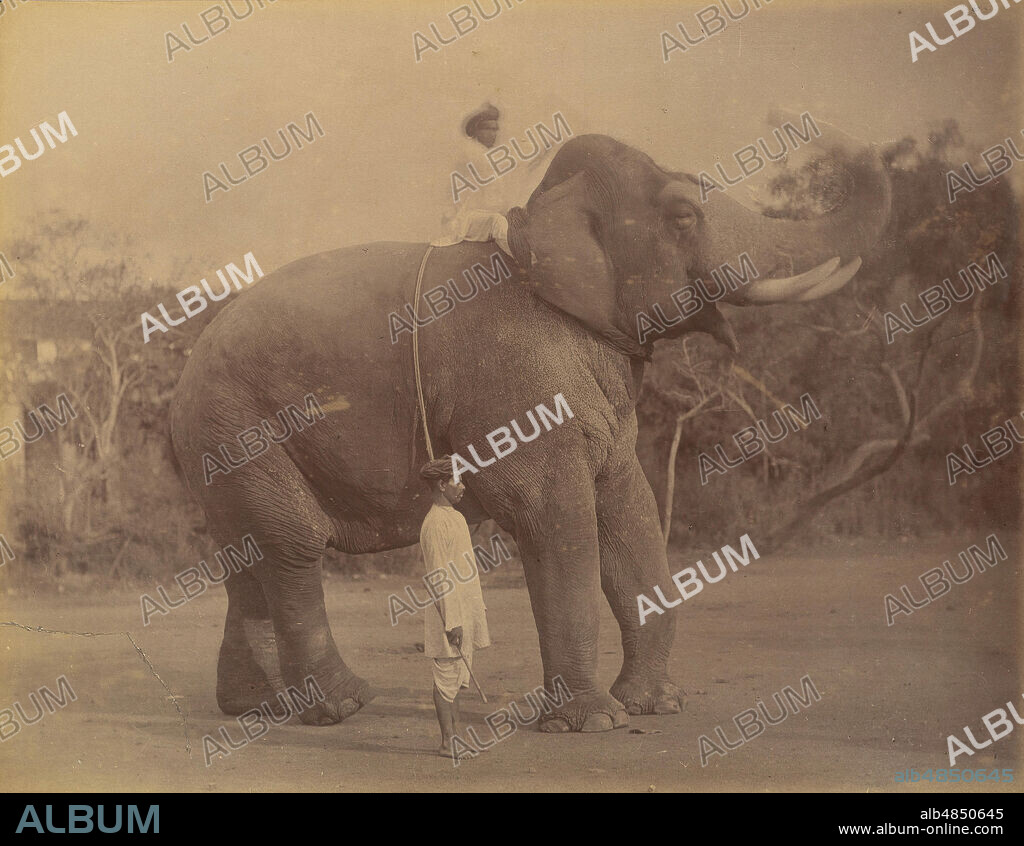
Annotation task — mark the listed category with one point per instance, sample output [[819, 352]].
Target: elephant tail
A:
[[517, 240], [173, 456]]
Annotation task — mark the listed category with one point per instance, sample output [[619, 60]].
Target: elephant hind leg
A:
[[248, 669], [276, 606]]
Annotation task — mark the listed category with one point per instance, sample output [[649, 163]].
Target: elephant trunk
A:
[[803, 259]]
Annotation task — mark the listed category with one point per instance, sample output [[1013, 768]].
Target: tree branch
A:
[[857, 471]]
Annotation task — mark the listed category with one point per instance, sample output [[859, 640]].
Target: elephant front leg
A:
[[558, 545], [633, 561]]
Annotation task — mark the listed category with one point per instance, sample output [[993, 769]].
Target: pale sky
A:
[[147, 129]]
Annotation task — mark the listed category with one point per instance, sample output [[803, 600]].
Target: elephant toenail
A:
[[598, 722], [620, 719], [554, 726], [348, 708]]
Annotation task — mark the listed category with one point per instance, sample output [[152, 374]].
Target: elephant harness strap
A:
[[416, 351], [520, 252], [523, 256]]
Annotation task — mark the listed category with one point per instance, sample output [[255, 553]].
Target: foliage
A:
[[835, 349], [90, 507]]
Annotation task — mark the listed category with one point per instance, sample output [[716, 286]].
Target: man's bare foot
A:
[[445, 751]]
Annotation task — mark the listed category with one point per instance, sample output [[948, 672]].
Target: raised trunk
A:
[[780, 247]]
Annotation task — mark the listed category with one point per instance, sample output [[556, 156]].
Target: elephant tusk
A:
[[789, 288], [836, 281]]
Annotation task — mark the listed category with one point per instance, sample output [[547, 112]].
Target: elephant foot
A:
[[248, 672], [237, 701], [585, 712], [648, 696], [340, 703]]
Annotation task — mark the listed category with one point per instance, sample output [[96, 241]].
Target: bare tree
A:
[[92, 280], [876, 456], [710, 385]]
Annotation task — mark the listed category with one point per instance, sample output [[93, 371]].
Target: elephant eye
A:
[[684, 221]]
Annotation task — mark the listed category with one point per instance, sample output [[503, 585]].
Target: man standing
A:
[[462, 622]]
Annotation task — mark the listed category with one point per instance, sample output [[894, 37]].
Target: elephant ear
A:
[[570, 268]]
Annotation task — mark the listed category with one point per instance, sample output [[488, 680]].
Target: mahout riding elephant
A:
[[605, 241]]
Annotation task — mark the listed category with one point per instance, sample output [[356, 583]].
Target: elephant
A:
[[607, 236]]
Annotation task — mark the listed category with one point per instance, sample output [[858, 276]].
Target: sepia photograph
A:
[[530, 396]]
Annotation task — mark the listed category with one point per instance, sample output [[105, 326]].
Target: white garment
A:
[[447, 545], [475, 225], [452, 674], [481, 190]]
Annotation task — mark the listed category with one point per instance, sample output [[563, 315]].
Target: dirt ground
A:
[[889, 695]]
